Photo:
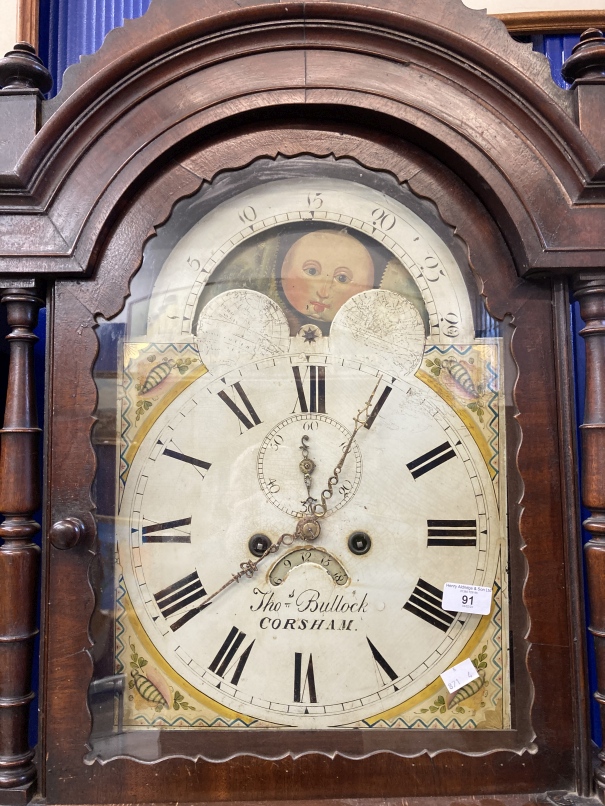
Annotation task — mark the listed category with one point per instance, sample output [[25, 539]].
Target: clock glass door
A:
[[305, 540]]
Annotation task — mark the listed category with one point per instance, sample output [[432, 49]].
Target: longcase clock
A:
[[311, 526]]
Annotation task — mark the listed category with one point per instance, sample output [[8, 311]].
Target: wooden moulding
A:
[[573, 539], [172, 75], [552, 22], [19, 498]]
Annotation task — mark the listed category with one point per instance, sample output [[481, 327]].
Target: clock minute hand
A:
[[360, 419], [307, 528]]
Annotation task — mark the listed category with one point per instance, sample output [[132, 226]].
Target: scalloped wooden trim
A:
[[530, 22], [526, 22]]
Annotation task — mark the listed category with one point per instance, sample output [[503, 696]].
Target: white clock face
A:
[[325, 633]]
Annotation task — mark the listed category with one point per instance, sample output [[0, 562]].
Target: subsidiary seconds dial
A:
[[280, 453]]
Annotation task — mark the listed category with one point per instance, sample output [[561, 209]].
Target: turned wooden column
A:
[[19, 557], [590, 292]]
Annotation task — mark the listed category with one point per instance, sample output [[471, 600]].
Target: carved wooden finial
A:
[[21, 69], [587, 60]]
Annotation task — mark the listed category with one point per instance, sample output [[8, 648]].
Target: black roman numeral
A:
[[226, 657], [190, 460], [425, 602], [301, 687], [149, 533], [431, 459], [316, 376], [381, 662], [180, 594], [452, 533], [378, 405], [248, 422]]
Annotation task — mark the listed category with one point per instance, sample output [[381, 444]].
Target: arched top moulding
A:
[[439, 74]]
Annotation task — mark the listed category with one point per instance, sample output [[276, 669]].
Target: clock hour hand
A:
[[307, 529], [360, 419]]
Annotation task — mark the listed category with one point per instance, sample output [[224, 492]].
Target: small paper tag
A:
[[459, 675], [466, 598]]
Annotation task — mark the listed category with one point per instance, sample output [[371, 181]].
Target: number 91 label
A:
[[466, 598]]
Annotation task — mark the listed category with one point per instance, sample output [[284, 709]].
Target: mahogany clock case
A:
[[536, 754]]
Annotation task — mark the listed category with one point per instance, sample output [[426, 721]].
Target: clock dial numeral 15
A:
[[452, 533], [425, 602], [180, 594], [316, 376]]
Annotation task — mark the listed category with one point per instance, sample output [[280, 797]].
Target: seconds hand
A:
[[307, 528]]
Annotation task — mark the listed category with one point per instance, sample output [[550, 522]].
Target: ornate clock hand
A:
[[307, 467], [307, 529], [360, 419]]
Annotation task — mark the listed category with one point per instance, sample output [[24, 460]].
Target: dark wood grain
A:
[[537, 799], [400, 62], [585, 68], [19, 498], [566, 386]]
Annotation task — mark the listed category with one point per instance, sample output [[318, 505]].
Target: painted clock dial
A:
[[223, 465], [308, 348]]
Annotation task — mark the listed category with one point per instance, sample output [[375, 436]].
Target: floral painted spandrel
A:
[[153, 375], [469, 378]]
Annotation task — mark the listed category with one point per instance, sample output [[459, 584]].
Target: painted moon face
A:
[[322, 270]]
